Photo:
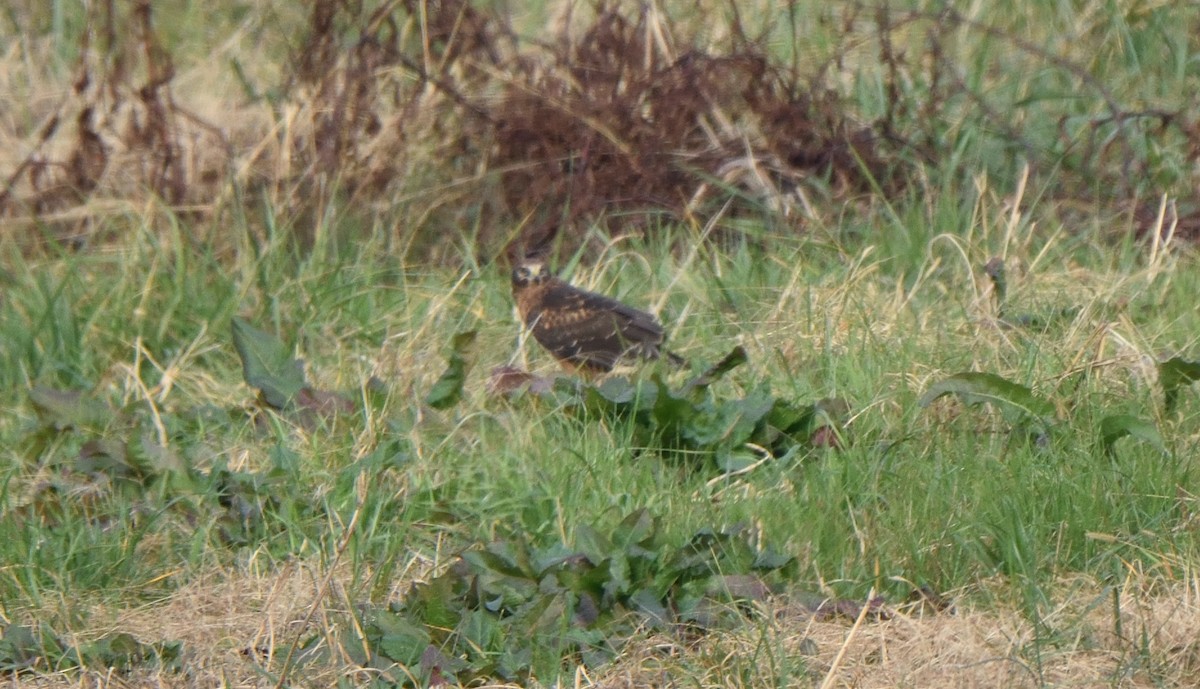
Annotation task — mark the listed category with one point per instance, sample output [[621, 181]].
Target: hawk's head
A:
[[530, 272]]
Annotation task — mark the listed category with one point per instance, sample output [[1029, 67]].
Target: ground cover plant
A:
[[270, 420]]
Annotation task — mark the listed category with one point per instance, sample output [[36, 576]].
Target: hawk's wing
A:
[[592, 330]]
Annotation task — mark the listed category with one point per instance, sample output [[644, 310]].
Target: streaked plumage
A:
[[582, 329]]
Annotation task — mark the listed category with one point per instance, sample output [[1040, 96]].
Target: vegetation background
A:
[[268, 418]]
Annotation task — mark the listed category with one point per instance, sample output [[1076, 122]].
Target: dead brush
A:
[[434, 115], [623, 113], [617, 121], [605, 120], [117, 133]]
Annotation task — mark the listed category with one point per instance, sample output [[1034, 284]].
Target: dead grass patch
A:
[[1079, 646], [234, 624]]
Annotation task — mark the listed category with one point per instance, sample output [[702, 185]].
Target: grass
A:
[[1067, 564], [949, 497]]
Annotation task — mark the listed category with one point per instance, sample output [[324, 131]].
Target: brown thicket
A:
[[119, 132], [617, 115]]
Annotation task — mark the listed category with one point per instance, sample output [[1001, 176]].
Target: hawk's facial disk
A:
[[530, 273]]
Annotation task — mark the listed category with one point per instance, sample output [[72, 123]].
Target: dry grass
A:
[[969, 647], [437, 115], [234, 624]]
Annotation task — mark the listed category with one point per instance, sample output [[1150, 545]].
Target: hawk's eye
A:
[[529, 274]]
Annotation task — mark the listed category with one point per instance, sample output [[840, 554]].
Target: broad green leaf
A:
[[437, 605], [592, 543], [267, 364], [1173, 374], [543, 614], [768, 559], [19, 647], [400, 639], [671, 412], [515, 660], [65, 409], [486, 560], [648, 603], [706, 427], [516, 550], [553, 618], [734, 459], [164, 462], [109, 457], [619, 582], [434, 662], [481, 631], [792, 419], [739, 587], [448, 389], [634, 529], [597, 648], [583, 577], [552, 558], [618, 390], [747, 413], [818, 424], [507, 593], [1113, 428], [732, 423], [974, 387], [119, 650], [699, 556]]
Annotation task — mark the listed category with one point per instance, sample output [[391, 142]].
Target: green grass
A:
[[953, 497]]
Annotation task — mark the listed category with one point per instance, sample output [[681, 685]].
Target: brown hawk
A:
[[583, 330]]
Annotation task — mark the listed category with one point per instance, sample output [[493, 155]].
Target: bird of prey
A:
[[585, 331]]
